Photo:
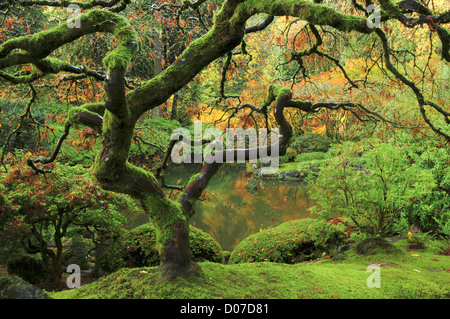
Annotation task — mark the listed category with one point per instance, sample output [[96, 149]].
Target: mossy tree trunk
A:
[[116, 118]]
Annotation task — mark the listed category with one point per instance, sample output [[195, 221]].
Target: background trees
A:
[[41, 212], [317, 45]]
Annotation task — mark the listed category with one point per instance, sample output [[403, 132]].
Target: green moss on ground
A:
[[412, 274]]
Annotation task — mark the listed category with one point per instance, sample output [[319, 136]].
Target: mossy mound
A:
[[17, 288], [26, 266], [137, 248], [291, 242], [374, 246]]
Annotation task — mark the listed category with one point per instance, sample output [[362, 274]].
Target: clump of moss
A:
[[26, 266], [373, 246], [121, 56], [118, 58], [291, 242]]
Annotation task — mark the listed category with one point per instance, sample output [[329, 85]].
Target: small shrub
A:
[[204, 247], [291, 242], [311, 142], [431, 214], [416, 238], [373, 246], [310, 163], [37, 208], [371, 183], [441, 247]]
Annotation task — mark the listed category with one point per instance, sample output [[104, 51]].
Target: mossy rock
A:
[[374, 246], [26, 266], [291, 242], [17, 288]]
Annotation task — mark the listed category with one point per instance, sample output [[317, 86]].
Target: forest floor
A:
[[410, 273]]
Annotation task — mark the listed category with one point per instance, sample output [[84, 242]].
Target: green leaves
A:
[[370, 183], [56, 202]]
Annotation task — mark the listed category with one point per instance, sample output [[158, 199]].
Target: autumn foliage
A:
[[36, 210]]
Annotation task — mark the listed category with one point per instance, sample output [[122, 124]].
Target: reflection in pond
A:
[[230, 211]]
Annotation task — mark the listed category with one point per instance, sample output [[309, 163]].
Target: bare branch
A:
[[32, 162]]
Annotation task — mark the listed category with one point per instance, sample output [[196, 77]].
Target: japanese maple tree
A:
[[225, 30]]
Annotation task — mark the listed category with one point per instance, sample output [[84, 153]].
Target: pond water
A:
[[230, 211]]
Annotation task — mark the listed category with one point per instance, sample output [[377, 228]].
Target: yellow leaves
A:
[[319, 130], [252, 83], [410, 235]]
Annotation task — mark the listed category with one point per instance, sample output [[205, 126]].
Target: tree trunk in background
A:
[[158, 65], [173, 113]]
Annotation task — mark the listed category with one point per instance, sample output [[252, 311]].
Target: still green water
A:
[[230, 211]]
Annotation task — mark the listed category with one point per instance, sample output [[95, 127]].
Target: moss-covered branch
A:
[[45, 66], [90, 114], [228, 32], [314, 13], [24, 49]]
